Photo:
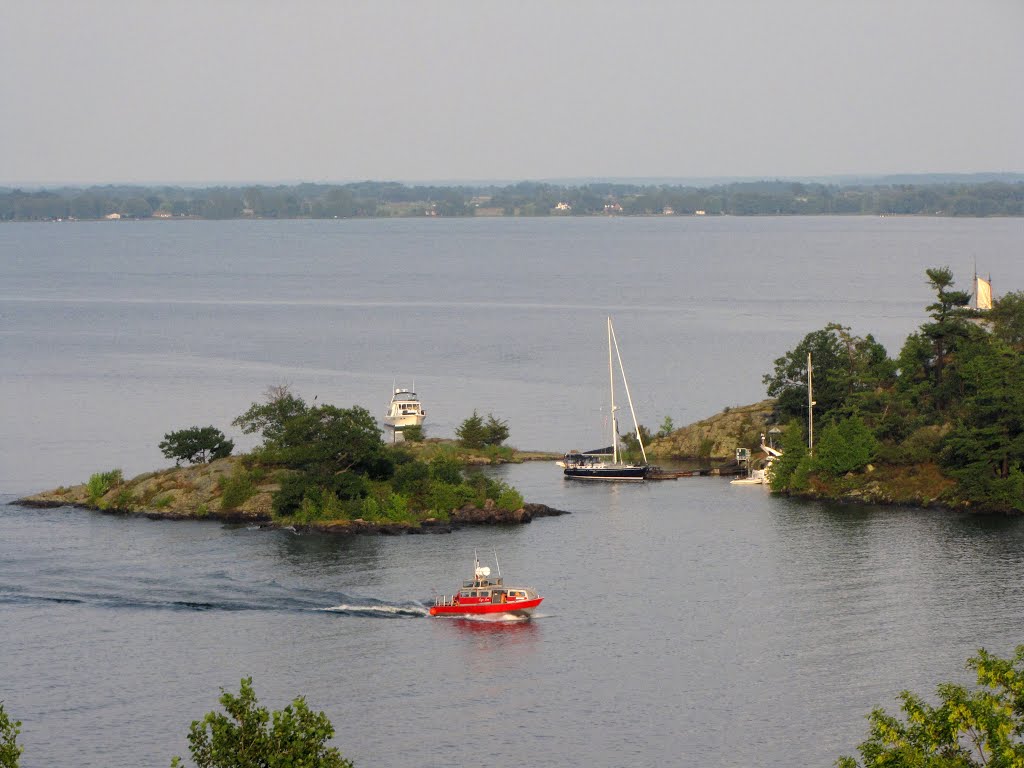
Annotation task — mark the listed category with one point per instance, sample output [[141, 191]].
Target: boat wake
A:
[[267, 597], [380, 610], [138, 603]]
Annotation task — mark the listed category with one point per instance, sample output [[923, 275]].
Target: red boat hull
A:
[[518, 608]]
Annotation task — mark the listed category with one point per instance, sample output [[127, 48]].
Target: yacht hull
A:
[[615, 474]]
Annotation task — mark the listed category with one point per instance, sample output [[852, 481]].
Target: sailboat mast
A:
[[810, 407], [629, 397], [611, 389]]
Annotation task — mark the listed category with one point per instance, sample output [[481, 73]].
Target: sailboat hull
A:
[[618, 474]]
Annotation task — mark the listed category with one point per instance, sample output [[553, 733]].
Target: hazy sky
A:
[[310, 90]]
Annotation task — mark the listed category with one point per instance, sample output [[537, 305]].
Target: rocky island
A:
[[204, 492]]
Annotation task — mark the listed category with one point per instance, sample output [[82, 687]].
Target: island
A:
[[939, 425], [319, 468]]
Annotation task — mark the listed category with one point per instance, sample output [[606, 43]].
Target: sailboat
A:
[[610, 466], [981, 297]]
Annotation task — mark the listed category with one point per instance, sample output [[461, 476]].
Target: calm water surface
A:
[[686, 622]]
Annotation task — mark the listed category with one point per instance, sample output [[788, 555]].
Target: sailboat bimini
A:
[[597, 466]]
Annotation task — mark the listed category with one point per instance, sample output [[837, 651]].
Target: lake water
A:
[[687, 622]]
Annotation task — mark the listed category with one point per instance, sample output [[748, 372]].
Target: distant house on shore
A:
[[112, 216], [563, 207]]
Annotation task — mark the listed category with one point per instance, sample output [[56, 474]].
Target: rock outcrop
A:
[[716, 437]]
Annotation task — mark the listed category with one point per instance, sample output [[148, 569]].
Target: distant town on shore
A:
[[966, 195]]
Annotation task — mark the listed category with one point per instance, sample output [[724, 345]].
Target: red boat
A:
[[483, 595]]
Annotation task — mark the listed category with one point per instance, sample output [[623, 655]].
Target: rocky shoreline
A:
[[197, 493], [466, 516]]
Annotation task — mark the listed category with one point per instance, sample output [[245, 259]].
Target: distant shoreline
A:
[[934, 196]]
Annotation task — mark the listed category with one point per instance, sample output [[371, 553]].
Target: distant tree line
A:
[[374, 199]]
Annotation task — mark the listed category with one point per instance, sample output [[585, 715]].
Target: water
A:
[[687, 622]]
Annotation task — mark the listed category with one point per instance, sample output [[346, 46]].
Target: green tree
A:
[[794, 455], [471, 432], [331, 440], [196, 445], [633, 452], [268, 418], [1007, 318], [985, 448], [845, 446], [495, 431], [845, 367], [248, 736], [948, 327], [967, 728], [10, 752], [667, 427]]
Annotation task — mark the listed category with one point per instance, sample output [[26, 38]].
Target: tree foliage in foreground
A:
[[248, 736], [10, 752], [196, 445], [967, 728]]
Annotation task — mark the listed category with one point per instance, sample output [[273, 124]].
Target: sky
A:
[[224, 91]]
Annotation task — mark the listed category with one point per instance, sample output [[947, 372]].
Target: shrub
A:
[[978, 484], [924, 444], [384, 504], [496, 454], [509, 499], [101, 482], [414, 434], [705, 447], [442, 498], [794, 452], [800, 478], [236, 489], [845, 446], [123, 500], [412, 478], [445, 469], [288, 498]]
